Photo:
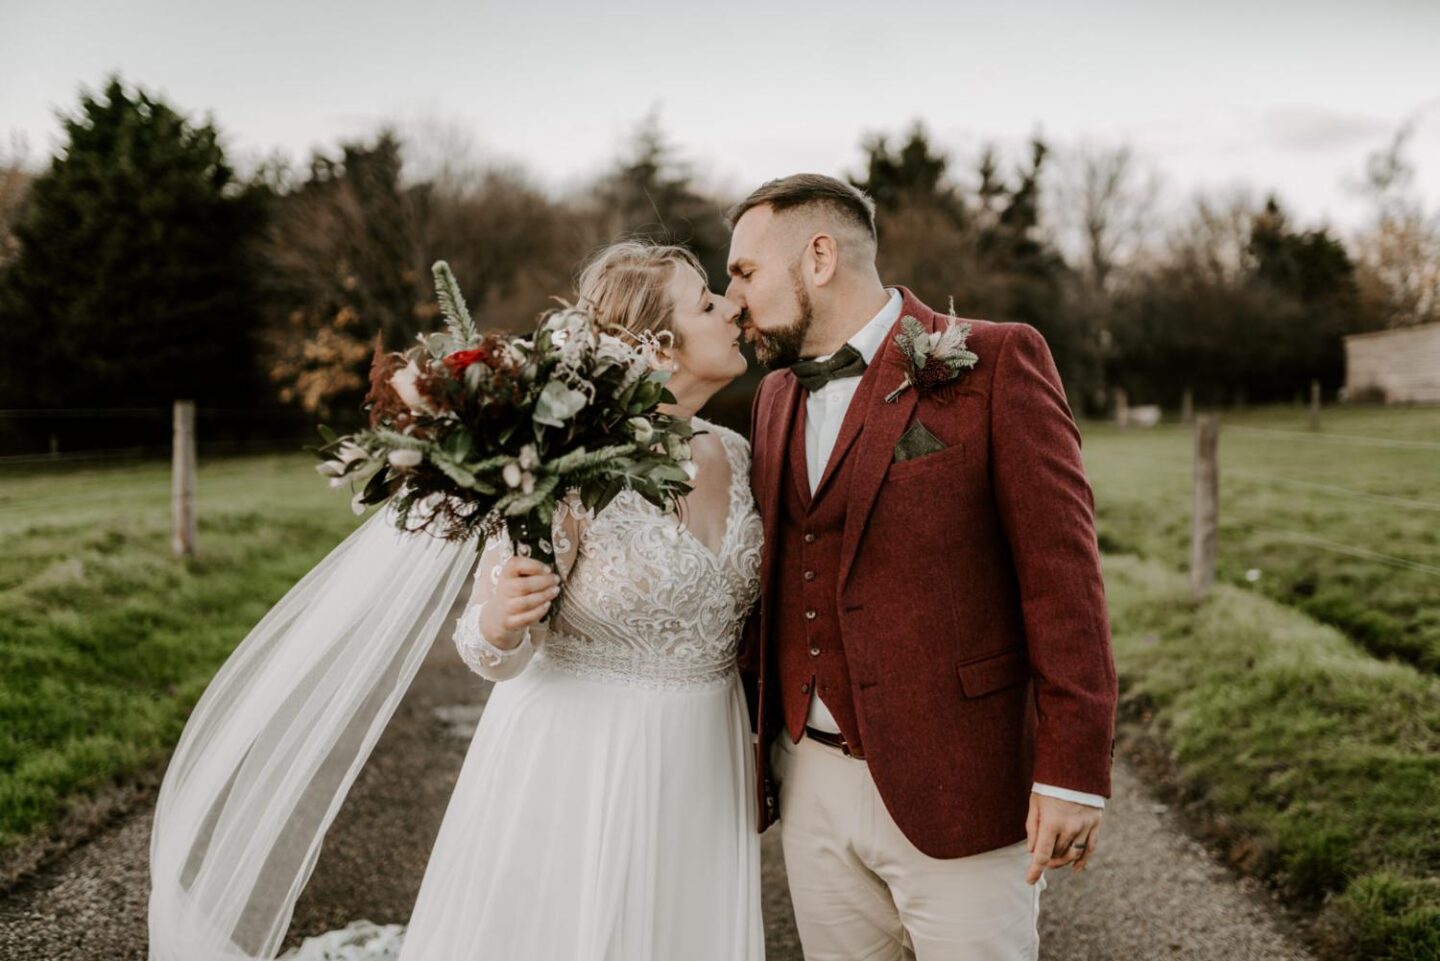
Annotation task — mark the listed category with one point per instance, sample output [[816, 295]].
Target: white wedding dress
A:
[[605, 808]]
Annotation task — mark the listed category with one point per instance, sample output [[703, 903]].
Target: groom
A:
[[929, 667]]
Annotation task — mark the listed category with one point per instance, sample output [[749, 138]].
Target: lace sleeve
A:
[[482, 657]]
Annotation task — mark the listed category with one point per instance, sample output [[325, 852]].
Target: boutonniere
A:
[[935, 359]]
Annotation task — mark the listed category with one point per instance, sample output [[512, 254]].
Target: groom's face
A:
[[765, 280]]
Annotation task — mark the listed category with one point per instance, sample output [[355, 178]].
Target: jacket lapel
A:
[[796, 446], [775, 442], [850, 427], [882, 426]]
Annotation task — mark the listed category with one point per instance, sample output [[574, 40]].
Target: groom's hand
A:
[[1059, 832]]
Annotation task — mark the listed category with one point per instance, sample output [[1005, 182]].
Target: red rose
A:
[[458, 361]]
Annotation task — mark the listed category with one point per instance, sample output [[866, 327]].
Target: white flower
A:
[[349, 453], [613, 350], [512, 474], [340, 461], [677, 447], [527, 482], [529, 459], [405, 458], [641, 429], [404, 382]]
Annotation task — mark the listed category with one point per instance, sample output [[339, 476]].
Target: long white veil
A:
[[280, 734]]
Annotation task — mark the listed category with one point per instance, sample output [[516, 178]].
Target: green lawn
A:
[[1307, 513], [105, 640], [1314, 763]]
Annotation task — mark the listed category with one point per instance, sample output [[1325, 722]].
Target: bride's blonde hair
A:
[[626, 286]]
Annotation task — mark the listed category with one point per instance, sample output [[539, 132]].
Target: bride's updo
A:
[[627, 286]]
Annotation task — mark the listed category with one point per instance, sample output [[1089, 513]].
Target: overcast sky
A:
[[1276, 94]]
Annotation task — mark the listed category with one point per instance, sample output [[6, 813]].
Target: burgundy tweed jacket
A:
[[971, 610]]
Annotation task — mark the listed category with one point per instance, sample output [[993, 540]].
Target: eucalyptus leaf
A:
[[558, 403]]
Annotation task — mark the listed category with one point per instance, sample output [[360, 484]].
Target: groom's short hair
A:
[[811, 190]]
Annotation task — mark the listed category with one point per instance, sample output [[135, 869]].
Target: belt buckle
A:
[[836, 739]]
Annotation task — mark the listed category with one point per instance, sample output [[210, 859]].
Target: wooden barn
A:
[[1400, 366]]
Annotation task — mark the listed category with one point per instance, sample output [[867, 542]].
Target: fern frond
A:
[[452, 304]]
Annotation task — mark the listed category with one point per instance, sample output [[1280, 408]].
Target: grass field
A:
[[1314, 764], [1307, 513], [105, 640]]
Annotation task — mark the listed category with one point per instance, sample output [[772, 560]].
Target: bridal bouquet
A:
[[475, 433]]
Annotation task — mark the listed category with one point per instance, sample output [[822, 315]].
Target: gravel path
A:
[[1151, 893]]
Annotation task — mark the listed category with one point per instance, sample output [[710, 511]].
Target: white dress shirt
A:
[[824, 413]]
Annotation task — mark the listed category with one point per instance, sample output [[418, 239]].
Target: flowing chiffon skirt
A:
[[597, 820]]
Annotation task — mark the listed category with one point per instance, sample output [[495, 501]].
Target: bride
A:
[[604, 809]]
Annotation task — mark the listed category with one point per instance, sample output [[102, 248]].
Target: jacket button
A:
[[814, 652], [809, 538], [809, 575], [810, 614], [805, 688]]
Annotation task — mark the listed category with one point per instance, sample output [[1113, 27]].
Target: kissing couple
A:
[[878, 626]]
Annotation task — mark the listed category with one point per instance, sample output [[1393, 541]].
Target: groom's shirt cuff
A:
[[1065, 794]]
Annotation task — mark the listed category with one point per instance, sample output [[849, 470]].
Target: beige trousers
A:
[[863, 892]]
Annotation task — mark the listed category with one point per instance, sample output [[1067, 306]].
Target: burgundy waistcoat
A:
[[810, 655]]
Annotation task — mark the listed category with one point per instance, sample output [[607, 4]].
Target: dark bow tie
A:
[[814, 374]]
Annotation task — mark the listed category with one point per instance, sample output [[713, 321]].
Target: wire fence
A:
[[1149, 464], [281, 431], [113, 435], [153, 468]]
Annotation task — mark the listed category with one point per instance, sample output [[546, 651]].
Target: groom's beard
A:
[[780, 348]]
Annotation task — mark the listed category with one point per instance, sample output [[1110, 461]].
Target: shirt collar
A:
[[868, 339]]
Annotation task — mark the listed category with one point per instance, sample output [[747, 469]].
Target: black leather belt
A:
[[834, 740]]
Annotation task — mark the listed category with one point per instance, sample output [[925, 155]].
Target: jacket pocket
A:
[[993, 673], [953, 456]]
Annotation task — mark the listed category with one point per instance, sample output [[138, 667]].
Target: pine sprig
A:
[[452, 304]]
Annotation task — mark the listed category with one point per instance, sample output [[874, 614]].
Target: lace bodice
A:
[[645, 602]]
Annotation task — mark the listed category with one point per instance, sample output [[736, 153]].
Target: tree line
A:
[[138, 266]]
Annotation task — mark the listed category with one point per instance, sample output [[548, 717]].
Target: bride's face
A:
[[706, 330]]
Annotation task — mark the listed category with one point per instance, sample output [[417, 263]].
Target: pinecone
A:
[[933, 374]]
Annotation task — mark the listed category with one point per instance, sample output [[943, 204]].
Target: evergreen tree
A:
[[651, 195], [912, 175], [131, 286], [985, 253]]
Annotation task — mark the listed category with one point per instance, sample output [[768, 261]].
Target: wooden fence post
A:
[[1187, 406], [1314, 405], [1122, 407], [1205, 514], [182, 480]]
